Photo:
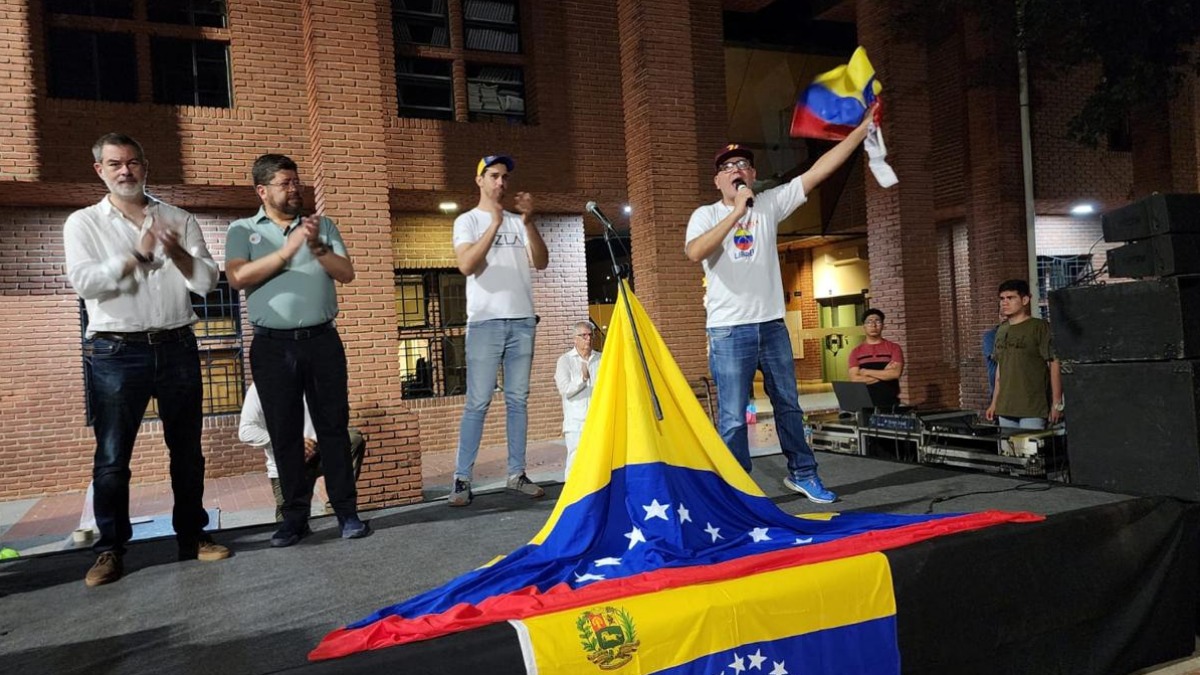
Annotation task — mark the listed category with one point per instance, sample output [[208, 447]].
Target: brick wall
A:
[[671, 46]]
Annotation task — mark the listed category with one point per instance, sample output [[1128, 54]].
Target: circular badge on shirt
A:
[[255, 238]]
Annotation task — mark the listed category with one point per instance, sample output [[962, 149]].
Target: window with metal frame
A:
[[428, 63], [190, 72], [209, 13], [421, 22], [1059, 271], [431, 311], [96, 58], [91, 65]]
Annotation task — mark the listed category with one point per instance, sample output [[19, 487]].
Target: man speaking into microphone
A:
[[734, 239]]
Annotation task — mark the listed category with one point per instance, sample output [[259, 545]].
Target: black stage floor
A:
[[1106, 584]]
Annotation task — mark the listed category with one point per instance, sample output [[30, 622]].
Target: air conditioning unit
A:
[[847, 255]]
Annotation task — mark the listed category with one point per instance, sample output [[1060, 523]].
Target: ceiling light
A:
[[448, 207], [1083, 209]]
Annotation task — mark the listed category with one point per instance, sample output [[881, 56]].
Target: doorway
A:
[[842, 333]]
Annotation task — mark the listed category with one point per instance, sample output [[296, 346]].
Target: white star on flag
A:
[[608, 562], [656, 510], [714, 531], [635, 536], [804, 540], [759, 534], [778, 669], [684, 515], [756, 659], [580, 578], [737, 664]]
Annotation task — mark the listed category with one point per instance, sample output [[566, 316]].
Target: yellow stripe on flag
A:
[[621, 428], [676, 626], [849, 80]]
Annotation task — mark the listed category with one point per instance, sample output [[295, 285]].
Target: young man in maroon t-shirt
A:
[[877, 362]]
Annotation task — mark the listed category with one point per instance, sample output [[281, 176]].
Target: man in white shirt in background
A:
[[252, 430], [133, 260], [575, 377], [495, 250]]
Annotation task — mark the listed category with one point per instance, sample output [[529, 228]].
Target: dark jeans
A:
[[286, 371], [313, 470], [122, 377]]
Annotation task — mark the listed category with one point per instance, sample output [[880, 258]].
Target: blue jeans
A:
[[122, 376], [1021, 422], [490, 344], [734, 354]]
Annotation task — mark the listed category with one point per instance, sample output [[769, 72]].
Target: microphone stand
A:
[[621, 272]]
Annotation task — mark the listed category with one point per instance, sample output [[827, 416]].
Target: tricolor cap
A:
[[732, 150], [494, 159]]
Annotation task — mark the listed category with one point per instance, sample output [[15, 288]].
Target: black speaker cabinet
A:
[[1162, 256], [1134, 321], [1156, 214], [1133, 427]]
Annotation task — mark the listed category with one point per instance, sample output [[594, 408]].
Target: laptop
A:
[[853, 397]]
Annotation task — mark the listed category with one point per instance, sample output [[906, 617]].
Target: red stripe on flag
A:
[[807, 125], [528, 602]]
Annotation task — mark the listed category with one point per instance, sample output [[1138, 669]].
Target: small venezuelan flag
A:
[[663, 556], [834, 104]]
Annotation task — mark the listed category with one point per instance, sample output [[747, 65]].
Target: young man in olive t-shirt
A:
[[1026, 367]]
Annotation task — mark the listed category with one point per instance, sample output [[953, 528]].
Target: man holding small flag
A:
[[734, 239]]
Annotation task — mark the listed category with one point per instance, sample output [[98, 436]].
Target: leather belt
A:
[[294, 334], [151, 337]]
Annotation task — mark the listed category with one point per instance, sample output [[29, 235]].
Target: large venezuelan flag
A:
[[662, 555], [834, 104]]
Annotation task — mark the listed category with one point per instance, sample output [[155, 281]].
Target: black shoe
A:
[[353, 528], [288, 535]]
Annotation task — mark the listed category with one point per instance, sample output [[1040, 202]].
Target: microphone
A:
[[741, 185], [595, 211]]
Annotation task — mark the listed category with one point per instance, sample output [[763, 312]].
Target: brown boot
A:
[[208, 551], [108, 568]]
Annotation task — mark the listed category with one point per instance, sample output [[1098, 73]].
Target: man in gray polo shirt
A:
[[287, 263]]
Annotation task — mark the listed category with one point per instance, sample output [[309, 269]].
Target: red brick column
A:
[[348, 150], [902, 236], [18, 118], [994, 190], [672, 73]]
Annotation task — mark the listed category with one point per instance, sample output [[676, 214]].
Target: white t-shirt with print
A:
[[503, 289], [744, 283]]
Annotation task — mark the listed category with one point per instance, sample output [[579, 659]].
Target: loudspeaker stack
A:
[[1130, 355]]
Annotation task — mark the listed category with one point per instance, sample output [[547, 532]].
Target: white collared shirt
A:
[[99, 240], [252, 430], [576, 392]]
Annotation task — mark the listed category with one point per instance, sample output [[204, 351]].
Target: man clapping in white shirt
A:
[[575, 378]]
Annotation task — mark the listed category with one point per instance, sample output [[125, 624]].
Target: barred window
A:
[[431, 317], [1059, 271], [219, 338]]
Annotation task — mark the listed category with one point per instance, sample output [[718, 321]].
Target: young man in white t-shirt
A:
[[495, 249], [734, 238]]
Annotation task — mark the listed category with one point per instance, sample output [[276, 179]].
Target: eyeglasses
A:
[[583, 335], [294, 184], [741, 164]]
